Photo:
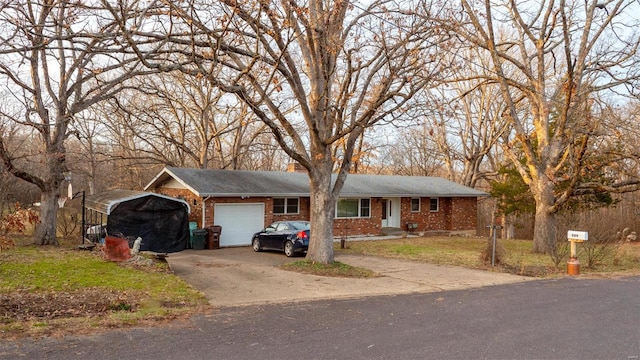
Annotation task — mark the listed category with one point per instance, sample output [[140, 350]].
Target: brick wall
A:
[[195, 202], [454, 214], [464, 214]]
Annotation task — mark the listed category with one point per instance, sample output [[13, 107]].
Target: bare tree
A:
[[476, 126], [58, 59], [316, 73], [460, 124], [412, 153], [250, 145], [12, 190], [455, 126], [173, 115], [89, 153], [183, 120], [553, 59]]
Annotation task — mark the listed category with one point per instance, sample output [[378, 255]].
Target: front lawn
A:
[[55, 290], [518, 257]]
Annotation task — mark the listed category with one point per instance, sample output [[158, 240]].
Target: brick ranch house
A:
[[244, 202]]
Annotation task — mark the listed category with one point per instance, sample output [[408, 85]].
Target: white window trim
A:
[[437, 204], [286, 201], [419, 205], [359, 209]]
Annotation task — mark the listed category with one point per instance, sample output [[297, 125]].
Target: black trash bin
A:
[[199, 238], [213, 239]]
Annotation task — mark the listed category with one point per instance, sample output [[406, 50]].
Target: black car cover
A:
[[162, 224]]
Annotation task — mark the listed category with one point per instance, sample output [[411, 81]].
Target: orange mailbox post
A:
[[573, 265]]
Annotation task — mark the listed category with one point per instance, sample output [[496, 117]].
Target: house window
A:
[[365, 207], [415, 205], [353, 208], [285, 205], [434, 204]]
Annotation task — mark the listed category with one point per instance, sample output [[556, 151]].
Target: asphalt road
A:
[[569, 318]]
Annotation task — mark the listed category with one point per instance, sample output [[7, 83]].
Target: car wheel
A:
[[256, 244], [288, 249]]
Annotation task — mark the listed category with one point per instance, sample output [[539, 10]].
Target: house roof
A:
[[105, 202], [231, 183], [407, 186]]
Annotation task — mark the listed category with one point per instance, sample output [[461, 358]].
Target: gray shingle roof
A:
[[407, 186], [277, 183], [241, 183]]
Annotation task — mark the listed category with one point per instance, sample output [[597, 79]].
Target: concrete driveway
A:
[[240, 276]]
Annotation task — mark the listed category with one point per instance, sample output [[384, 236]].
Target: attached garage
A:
[[239, 222]]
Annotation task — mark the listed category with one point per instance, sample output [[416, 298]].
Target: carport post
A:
[[83, 217], [82, 230], [71, 196]]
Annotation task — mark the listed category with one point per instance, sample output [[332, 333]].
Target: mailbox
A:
[[578, 236], [573, 265]]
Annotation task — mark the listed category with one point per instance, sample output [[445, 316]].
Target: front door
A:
[[385, 212], [391, 212]]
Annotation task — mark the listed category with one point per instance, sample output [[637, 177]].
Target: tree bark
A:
[[322, 213], [545, 223], [545, 230], [45, 233], [508, 229]]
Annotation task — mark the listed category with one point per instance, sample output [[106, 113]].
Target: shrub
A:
[[15, 222], [602, 245], [487, 252], [560, 253], [67, 222]]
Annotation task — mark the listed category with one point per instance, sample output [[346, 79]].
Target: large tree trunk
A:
[[508, 228], [545, 224], [322, 214], [45, 233], [545, 230]]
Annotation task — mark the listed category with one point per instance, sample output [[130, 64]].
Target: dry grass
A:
[[466, 251], [50, 290]]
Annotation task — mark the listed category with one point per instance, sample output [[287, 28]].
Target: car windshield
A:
[[300, 225]]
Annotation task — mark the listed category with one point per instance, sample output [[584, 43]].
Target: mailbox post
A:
[[573, 265]]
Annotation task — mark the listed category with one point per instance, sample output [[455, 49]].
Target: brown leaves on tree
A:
[[15, 222]]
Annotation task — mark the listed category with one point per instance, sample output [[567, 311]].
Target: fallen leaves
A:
[[22, 305]]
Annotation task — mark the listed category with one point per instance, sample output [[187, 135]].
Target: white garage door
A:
[[239, 222]]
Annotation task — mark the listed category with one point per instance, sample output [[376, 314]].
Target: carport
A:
[[161, 221]]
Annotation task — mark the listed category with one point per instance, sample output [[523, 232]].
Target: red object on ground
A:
[[116, 249]]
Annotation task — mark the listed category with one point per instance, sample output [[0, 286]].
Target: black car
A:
[[292, 237]]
